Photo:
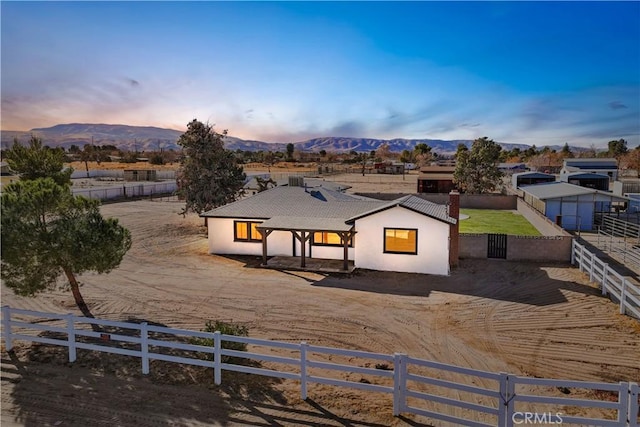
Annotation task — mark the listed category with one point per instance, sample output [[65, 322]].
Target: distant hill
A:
[[148, 138]]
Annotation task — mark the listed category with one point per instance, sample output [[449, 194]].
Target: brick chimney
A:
[[454, 233]]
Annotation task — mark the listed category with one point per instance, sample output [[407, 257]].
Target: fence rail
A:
[[427, 388], [611, 282], [621, 240], [128, 190]]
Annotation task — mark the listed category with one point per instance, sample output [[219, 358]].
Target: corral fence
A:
[[128, 191], [621, 240], [612, 283], [117, 174], [435, 390]]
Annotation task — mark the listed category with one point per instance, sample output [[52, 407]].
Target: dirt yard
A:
[[530, 319]]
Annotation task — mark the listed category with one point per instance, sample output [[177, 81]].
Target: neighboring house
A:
[[570, 206], [393, 168], [511, 168], [625, 186], [607, 167], [252, 187], [531, 178], [436, 179], [596, 181], [408, 234]]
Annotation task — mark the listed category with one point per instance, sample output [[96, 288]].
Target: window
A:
[[245, 231], [325, 238], [401, 241]]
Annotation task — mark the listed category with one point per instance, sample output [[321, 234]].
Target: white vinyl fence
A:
[[435, 390], [612, 283], [127, 190], [117, 174]]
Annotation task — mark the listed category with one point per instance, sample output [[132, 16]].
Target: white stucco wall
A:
[[330, 252], [221, 240], [433, 243]]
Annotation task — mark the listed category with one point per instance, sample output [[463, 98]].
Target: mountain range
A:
[[147, 138]]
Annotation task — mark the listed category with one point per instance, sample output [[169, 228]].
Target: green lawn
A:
[[496, 221]]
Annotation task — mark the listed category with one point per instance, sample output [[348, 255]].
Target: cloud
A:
[[350, 128], [133, 82], [617, 105]]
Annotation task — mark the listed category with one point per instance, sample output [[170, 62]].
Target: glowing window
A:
[[401, 241], [245, 231], [325, 238]]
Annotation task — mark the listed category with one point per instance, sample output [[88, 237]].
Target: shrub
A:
[[225, 328]]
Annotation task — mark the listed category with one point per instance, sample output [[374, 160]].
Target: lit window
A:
[[325, 238], [401, 241], [246, 231]]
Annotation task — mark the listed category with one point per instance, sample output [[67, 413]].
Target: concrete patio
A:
[[311, 264]]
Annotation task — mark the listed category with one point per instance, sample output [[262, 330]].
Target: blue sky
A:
[[523, 72]]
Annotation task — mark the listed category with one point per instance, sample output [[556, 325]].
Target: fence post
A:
[[573, 252], [144, 347], [6, 320], [591, 267], [623, 296], [303, 370], [217, 355], [399, 378], [623, 399], [634, 407], [71, 337], [605, 279], [581, 262], [507, 405]]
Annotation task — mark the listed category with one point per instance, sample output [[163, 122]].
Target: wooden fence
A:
[[427, 388], [611, 282]]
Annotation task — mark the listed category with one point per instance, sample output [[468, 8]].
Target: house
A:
[[408, 234], [510, 168], [393, 168], [530, 178], [597, 181], [252, 186], [436, 179], [607, 167], [570, 206]]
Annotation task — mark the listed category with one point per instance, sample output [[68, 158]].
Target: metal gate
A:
[[497, 246]]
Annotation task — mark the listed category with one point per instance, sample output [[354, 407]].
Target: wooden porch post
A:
[[303, 240], [265, 234], [345, 243]]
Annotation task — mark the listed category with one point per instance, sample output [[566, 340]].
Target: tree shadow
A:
[[310, 413], [110, 389]]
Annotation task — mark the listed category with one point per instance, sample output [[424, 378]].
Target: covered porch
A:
[[303, 229]]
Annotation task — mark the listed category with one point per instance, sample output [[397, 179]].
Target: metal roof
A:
[[556, 190], [295, 202], [533, 174], [305, 224], [415, 204], [591, 163], [583, 175], [318, 206], [435, 176]]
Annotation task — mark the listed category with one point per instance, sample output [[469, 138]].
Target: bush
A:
[[225, 328], [156, 159]]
